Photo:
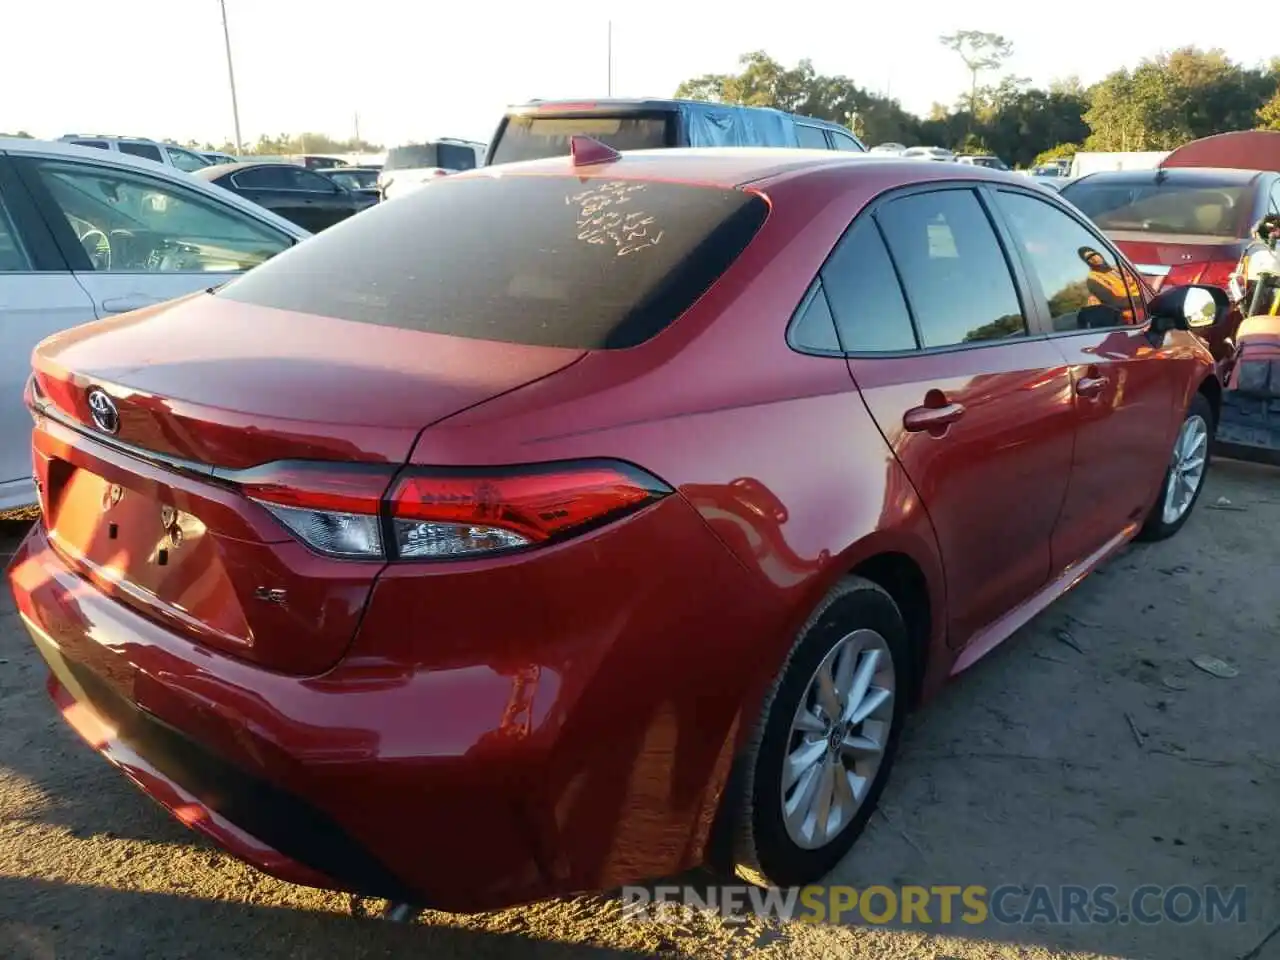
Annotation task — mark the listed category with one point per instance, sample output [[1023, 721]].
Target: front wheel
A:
[[1184, 479], [826, 739]]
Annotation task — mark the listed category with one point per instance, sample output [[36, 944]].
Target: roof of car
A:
[[605, 104], [224, 169], [1206, 176], [736, 166]]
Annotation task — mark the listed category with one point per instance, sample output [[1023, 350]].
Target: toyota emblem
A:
[[103, 410]]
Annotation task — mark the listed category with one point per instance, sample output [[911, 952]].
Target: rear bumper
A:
[[566, 743]]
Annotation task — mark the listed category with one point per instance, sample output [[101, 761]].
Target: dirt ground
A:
[[1087, 750]]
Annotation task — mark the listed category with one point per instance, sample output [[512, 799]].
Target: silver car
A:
[[87, 233]]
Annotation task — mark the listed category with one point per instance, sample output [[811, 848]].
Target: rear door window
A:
[[953, 269], [811, 138], [535, 137], [273, 177], [845, 142], [549, 261]]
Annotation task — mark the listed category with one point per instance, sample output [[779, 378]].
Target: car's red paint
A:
[[1238, 149], [495, 730]]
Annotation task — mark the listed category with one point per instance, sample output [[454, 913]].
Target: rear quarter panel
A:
[[774, 449]]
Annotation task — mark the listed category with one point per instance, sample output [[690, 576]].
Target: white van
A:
[[169, 154], [410, 166]]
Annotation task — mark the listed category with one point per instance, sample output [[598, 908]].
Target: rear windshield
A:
[[546, 261], [410, 157], [1193, 209], [532, 138]]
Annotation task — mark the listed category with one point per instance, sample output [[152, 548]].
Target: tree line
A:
[[293, 144], [1160, 104]]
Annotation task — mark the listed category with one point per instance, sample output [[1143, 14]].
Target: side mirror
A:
[[1191, 307]]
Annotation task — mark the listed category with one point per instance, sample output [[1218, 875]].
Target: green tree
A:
[[981, 52], [763, 82], [1063, 151]]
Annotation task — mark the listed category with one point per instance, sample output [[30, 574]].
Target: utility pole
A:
[[231, 77], [610, 48], [357, 127]]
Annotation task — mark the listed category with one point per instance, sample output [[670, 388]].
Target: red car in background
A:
[[1181, 225], [577, 522]]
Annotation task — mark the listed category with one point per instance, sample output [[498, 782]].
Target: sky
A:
[[408, 71]]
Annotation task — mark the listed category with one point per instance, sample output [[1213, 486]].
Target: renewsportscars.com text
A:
[[1009, 904]]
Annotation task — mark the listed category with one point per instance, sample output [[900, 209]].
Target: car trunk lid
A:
[[229, 384], [1185, 259], [214, 398]]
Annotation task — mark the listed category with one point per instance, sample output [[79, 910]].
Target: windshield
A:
[[532, 138], [546, 261], [1192, 209]]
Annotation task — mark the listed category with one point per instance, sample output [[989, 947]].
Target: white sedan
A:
[[85, 234]]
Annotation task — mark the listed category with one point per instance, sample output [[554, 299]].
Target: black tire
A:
[[763, 851], [1154, 527]]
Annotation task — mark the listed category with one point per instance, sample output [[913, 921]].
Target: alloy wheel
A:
[[838, 738], [1186, 468]]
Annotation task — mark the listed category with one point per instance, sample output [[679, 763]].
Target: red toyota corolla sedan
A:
[[575, 522]]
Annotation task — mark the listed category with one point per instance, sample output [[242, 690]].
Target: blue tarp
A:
[[723, 125]]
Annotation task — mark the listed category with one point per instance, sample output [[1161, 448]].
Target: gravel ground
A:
[[1087, 750]]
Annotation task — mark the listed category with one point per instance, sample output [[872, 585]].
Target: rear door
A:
[[133, 240], [271, 186], [974, 405], [38, 297], [324, 202], [1123, 380]]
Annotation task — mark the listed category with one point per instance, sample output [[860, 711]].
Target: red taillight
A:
[[332, 508], [316, 486], [453, 513], [339, 510]]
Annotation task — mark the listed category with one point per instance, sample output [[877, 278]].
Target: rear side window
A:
[[13, 259], [866, 298], [532, 138], [100, 144], [547, 261], [148, 150], [957, 280]]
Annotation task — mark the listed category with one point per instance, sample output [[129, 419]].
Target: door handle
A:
[[1091, 385], [935, 419], [125, 304]]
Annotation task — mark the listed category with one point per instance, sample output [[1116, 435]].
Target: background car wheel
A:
[[826, 738], [1183, 481]]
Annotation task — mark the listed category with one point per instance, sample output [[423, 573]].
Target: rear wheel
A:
[[1184, 479], [826, 739]]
